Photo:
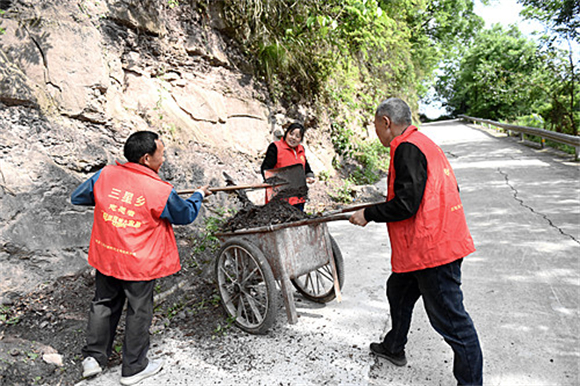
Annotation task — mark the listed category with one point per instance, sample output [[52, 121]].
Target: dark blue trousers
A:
[[443, 300], [104, 315]]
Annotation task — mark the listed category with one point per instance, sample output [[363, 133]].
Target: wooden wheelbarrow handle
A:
[[351, 208]]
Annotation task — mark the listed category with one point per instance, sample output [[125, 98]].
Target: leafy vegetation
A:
[[2, 29], [344, 56], [561, 16], [6, 316], [504, 75], [372, 158], [223, 330], [350, 51], [490, 80], [343, 193], [205, 242]]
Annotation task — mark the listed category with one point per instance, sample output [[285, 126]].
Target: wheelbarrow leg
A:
[[335, 278], [333, 268], [288, 294]]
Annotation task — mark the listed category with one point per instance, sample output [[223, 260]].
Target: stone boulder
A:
[[77, 78]]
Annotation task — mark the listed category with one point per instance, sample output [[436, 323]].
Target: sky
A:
[[504, 12]]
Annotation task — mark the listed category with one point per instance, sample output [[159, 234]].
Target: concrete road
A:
[[521, 288]]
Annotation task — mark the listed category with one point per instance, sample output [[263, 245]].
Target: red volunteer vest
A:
[[437, 234], [288, 156], [129, 240]]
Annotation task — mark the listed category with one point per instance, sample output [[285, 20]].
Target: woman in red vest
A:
[[286, 152]]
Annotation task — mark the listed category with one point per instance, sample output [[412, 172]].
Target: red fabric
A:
[[129, 240], [288, 156], [437, 234]]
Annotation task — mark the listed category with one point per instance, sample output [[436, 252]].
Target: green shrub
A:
[[205, 243], [373, 159], [344, 193], [532, 120]]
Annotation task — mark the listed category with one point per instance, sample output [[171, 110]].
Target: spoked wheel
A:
[[246, 285], [318, 285]]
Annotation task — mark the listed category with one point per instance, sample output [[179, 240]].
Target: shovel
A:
[[234, 187], [295, 180]]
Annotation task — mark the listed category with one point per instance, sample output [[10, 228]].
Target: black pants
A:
[[443, 300], [105, 313], [300, 206]]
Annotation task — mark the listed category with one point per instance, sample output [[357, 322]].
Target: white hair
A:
[[397, 110]]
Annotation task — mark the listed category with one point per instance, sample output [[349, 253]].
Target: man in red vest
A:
[[429, 239], [132, 244]]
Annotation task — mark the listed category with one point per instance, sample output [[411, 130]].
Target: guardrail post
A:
[[576, 152]]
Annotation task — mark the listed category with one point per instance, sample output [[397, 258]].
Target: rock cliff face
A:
[[78, 77]]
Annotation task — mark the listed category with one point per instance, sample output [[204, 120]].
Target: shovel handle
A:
[[238, 187], [232, 187]]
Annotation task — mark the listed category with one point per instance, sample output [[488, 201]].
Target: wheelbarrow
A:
[[300, 254]]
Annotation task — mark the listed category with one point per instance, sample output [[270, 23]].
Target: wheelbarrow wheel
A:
[[318, 285], [246, 286]]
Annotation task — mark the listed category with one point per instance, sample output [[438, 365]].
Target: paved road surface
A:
[[521, 288]]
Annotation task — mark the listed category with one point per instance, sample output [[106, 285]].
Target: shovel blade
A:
[[293, 175]]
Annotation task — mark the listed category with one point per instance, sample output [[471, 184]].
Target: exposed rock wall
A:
[[78, 77]]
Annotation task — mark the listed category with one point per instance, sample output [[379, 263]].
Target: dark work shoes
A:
[[398, 359]]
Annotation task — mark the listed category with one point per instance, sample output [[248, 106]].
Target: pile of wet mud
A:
[[277, 211], [275, 180], [286, 193], [286, 189]]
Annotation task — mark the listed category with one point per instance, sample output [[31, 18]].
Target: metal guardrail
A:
[[571, 140]]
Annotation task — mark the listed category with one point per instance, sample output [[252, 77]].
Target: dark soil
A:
[[274, 212], [54, 319], [275, 180], [286, 192]]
